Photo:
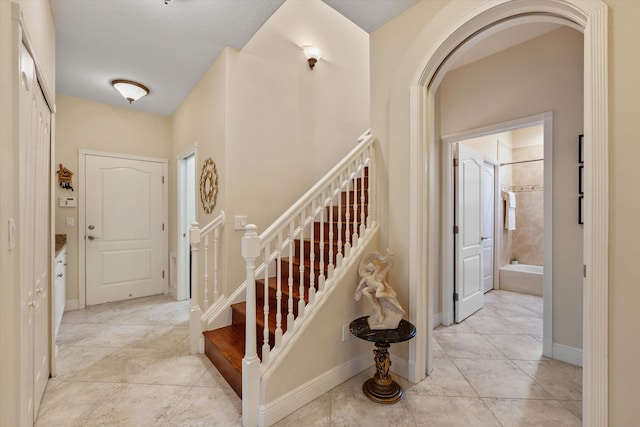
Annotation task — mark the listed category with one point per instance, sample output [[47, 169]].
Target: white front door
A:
[[124, 229], [488, 224], [469, 295]]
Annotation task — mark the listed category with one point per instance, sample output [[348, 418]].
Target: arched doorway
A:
[[590, 17]]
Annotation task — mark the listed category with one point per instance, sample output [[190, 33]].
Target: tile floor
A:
[[128, 364]]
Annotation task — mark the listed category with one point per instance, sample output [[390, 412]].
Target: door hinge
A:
[[455, 297], [455, 162], [163, 274], [455, 229], [163, 179], [584, 270], [163, 226]]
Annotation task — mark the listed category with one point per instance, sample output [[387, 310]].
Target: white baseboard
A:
[[71, 304], [437, 320], [567, 354], [274, 411]]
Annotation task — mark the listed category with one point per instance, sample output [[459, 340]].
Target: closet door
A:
[[42, 139], [34, 226]]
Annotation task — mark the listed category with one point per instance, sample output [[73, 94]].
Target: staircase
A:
[[310, 262]]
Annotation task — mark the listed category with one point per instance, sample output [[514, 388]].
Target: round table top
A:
[[360, 328]]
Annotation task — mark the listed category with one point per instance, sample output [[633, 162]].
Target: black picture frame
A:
[[580, 209], [580, 148], [581, 180]]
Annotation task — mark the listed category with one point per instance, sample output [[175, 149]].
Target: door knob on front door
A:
[[92, 237], [91, 227], [483, 238]]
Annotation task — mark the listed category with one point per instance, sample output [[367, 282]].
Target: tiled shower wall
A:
[[526, 242]]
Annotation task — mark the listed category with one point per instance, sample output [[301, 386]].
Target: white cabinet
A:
[[59, 288]]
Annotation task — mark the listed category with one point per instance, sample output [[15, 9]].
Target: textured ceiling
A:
[[166, 47]]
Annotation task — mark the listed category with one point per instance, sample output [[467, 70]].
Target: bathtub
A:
[[526, 279]]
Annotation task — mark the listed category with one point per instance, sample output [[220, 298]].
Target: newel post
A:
[[250, 362], [196, 341]]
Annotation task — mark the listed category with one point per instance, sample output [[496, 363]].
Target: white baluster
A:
[[354, 185], [331, 267], [301, 303], [347, 215], [290, 316], [206, 272], [196, 342], [371, 186], [322, 277], [250, 362], [363, 198], [312, 259], [216, 239], [265, 298], [339, 254], [278, 291]]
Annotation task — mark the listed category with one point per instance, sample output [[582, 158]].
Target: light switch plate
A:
[[69, 221], [240, 222]]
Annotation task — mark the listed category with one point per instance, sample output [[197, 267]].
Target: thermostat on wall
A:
[[68, 202]]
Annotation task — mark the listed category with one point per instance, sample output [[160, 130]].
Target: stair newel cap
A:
[[251, 242], [194, 233]]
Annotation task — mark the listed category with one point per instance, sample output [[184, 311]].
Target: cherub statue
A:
[[387, 311]]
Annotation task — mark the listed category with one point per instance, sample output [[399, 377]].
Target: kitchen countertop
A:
[[61, 240]]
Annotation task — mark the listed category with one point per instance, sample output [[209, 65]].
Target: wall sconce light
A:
[[312, 54], [131, 91]]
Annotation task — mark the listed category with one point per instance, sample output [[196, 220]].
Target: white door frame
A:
[[496, 226], [183, 247], [546, 120], [589, 17], [82, 154]]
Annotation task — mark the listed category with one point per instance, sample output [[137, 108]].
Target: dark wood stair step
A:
[[225, 348]]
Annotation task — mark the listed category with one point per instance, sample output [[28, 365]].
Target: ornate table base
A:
[[381, 388]]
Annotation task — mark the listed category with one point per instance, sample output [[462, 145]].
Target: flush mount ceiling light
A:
[[312, 54], [131, 91]]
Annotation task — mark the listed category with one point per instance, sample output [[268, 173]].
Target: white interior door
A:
[[34, 236], [488, 225], [469, 295], [124, 235]]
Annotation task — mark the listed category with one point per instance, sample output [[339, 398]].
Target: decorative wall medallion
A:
[[208, 185]]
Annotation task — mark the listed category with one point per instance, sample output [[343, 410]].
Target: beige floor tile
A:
[[529, 325], [574, 406], [445, 380], [500, 378], [204, 407], [136, 405], [513, 310], [517, 347], [437, 349], [456, 328], [350, 407], [70, 403], [171, 370], [436, 411], [562, 380], [534, 413], [493, 325], [468, 346]]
